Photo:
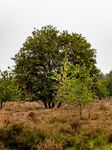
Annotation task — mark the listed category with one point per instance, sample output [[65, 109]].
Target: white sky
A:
[[91, 18]]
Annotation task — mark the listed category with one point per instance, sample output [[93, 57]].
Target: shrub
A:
[[32, 117], [66, 130], [49, 145], [8, 90], [19, 137], [97, 142]]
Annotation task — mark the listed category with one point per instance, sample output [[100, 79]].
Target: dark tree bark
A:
[[59, 104], [49, 104], [53, 104]]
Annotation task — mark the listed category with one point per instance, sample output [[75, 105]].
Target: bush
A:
[[8, 90], [20, 137], [50, 145]]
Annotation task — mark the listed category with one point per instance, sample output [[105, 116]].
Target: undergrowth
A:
[[56, 129]]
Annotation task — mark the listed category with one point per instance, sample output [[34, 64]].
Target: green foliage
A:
[[99, 141], [34, 63], [104, 85], [108, 147], [102, 88], [42, 54], [74, 85], [8, 90], [75, 144], [109, 86]]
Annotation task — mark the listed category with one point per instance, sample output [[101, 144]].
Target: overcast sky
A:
[[91, 18]]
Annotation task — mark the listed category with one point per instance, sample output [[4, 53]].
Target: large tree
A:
[[42, 53]]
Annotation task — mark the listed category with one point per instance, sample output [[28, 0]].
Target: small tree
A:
[[8, 89], [75, 85]]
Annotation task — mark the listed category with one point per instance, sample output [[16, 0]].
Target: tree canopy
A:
[[42, 53]]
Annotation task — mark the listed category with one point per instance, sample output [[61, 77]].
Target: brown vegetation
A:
[[29, 126]]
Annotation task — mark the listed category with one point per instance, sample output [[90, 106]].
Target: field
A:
[[29, 126]]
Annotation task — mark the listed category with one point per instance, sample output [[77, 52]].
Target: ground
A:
[[57, 128]]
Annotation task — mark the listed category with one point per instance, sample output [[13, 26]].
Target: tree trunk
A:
[[59, 104], [53, 104], [80, 112], [45, 104], [0, 104], [49, 103]]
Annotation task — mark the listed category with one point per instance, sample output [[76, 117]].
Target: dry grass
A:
[[29, 126]]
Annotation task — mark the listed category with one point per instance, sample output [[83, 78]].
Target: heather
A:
[[30, 126]]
